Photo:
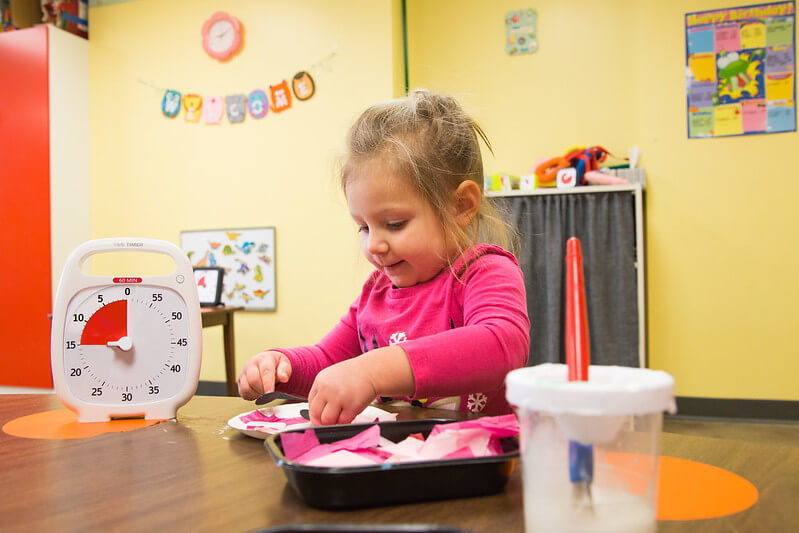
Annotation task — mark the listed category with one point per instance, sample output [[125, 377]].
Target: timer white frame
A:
[[147, 361]]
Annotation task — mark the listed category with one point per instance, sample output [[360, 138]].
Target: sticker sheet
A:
[[248, 257], [521, 32], [740, 70]]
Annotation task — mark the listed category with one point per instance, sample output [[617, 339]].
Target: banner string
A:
[[322, 62]]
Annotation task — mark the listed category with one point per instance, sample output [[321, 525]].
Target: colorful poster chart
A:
[[248, 257], [741, 70]]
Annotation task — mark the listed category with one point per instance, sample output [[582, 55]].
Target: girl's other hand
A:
[[340, 392], [262, 372]]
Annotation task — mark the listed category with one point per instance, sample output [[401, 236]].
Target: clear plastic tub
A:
[[619, 413]]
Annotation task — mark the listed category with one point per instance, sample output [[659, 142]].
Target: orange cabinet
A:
[[43, 188]]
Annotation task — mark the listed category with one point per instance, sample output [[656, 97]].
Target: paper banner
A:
[[192, 107], [257, 104], [303, 86], [280, 96], [170, 105], [213, 110], [236, 105]]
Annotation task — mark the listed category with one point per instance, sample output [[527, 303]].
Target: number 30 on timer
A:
[[126, 346]]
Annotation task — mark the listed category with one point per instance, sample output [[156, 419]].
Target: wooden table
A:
[[223, 316], [196, 474]]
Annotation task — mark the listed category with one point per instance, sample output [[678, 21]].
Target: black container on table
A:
[[394, 483], [362, 528]]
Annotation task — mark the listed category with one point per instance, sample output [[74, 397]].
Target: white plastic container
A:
[[619, 412]]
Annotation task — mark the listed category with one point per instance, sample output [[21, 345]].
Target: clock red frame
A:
[[216, 17]]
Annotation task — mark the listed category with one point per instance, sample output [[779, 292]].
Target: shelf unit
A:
[[636, 190]]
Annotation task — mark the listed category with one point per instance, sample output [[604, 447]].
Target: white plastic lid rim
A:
[[611, 390]]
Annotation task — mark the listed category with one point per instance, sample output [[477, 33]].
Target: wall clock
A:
[[126, 346], [221, 35]]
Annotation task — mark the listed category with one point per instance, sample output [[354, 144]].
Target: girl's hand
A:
[[262, 372], [340, 392]]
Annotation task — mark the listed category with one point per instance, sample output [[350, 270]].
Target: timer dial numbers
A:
[[126, 344]]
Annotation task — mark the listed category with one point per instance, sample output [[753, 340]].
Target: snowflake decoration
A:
[[476, 402], [397, 337]]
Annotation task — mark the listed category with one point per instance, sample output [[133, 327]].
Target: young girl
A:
[[442, 319]]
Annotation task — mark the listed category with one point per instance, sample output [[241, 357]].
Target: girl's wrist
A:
[[389, 371]]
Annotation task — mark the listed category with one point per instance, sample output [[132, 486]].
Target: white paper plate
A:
[[289, 410], [292, 410]]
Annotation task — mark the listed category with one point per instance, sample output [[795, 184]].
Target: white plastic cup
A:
[[619, 412]]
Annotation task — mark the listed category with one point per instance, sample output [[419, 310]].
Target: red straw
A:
[[578, 354]]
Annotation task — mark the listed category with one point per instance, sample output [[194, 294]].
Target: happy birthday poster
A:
[[740, 70]]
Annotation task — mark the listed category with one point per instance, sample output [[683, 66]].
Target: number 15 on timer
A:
[[126, 346]]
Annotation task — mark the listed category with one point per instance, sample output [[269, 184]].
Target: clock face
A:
[[221, 37], [126, 344]]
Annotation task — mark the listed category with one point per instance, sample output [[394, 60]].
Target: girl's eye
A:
[[396, 225], [363, 229]]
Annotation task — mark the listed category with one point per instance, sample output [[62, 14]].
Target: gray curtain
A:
[[605, 224]]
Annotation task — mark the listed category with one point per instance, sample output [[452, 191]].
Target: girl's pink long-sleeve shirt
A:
[[463, 331]]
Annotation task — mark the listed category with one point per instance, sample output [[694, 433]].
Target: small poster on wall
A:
[[740, 70], [247, 256], [521, 32]]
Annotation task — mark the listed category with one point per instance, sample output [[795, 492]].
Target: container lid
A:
[[611, 390]]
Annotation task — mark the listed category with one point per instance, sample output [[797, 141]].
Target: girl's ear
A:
[[467, 199]]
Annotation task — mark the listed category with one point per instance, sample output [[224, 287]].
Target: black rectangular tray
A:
[[393, 483], [362, 528]]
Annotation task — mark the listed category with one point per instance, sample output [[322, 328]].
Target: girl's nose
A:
[[377, 244]]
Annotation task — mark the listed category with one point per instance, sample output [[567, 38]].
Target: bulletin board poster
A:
[[741, 70], [248, 257]]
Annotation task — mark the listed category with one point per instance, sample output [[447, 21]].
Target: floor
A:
[[24, 390]]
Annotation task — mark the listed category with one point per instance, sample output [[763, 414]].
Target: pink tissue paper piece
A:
[[459, 454], [365, 439], [450, 439], [294, 421], [258, 416], [296, 444], [499, 426], [342, 458], [267, 427], [473, 438]]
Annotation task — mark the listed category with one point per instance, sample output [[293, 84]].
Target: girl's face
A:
[[400, 232]]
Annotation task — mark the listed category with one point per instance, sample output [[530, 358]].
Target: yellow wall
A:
[[153, 177], [721, 226]]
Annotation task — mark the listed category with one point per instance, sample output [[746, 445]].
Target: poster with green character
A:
[[740, 70]]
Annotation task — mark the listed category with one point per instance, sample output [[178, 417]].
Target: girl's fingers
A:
[[244, 390], [330, 414], [346, 416], [255, 378], [283, 370]]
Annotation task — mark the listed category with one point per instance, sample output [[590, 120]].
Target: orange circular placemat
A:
[[689, 490], [63, 424]]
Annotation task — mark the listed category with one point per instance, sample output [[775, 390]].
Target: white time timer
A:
[[126, 346]]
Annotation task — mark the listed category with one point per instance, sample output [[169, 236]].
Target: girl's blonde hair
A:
[[430, 139]]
